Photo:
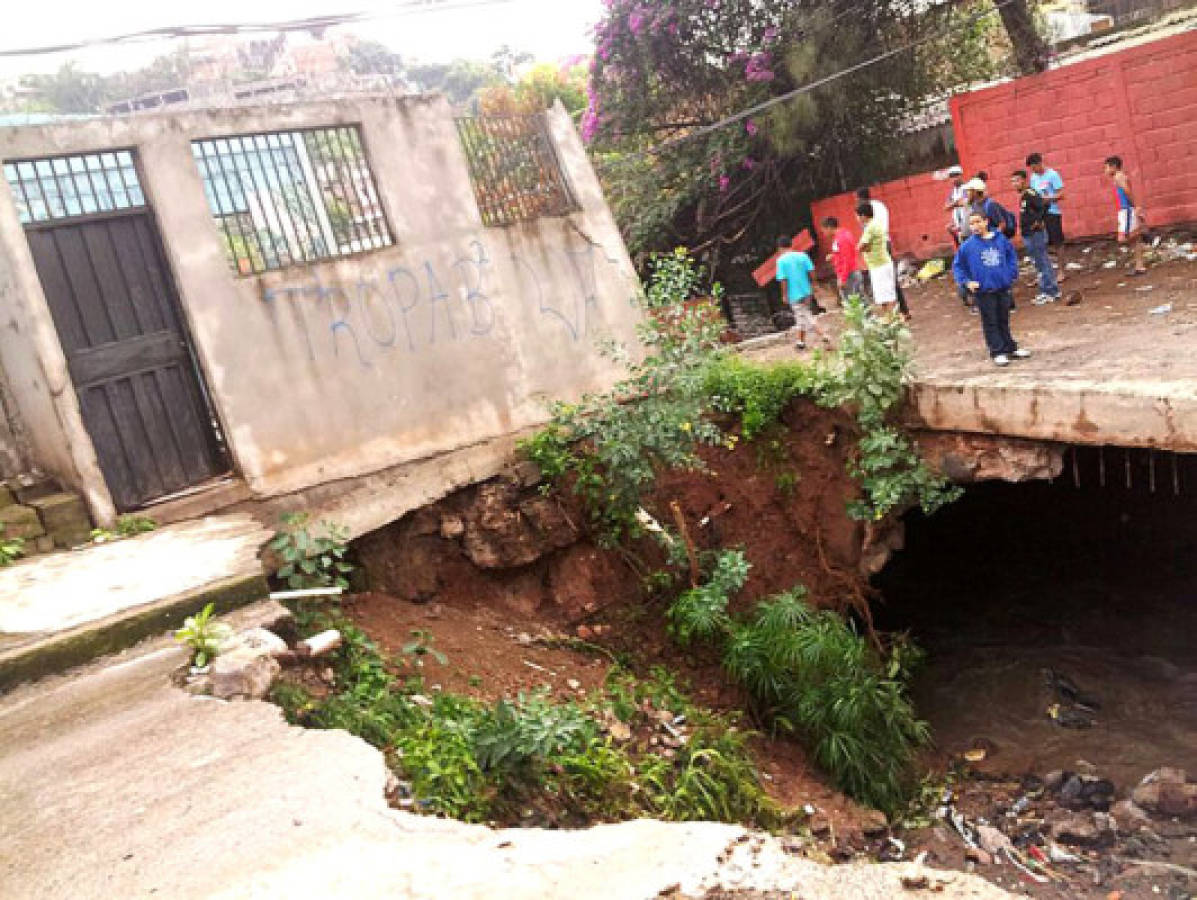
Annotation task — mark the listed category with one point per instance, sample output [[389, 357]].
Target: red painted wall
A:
[[1139, 103], [918, 221]]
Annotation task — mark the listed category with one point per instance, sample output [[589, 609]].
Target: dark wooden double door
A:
[[114, 305]]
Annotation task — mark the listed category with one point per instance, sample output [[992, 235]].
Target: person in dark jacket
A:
[[1032, 222], [987, 265]]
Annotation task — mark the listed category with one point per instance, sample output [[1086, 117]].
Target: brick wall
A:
[[1139, 102]]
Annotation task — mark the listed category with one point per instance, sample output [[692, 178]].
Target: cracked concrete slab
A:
[[118, 784]]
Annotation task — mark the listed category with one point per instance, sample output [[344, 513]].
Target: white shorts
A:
[[1128, 221], [884, 284], [804, 318]]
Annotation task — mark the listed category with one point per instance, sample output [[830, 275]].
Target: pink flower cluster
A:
[[759, 67]]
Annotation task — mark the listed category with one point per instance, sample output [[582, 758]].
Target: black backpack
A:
[[1001, 217]]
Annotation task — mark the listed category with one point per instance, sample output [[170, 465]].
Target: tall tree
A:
[[1030, 49]]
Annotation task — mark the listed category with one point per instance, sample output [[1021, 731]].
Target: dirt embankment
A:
[[503, 577]]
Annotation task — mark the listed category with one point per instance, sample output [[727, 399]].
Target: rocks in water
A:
[[1167, 792]]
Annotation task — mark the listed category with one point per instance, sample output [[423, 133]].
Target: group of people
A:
[[985, 265]]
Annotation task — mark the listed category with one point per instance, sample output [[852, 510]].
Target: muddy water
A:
[[1098, 586]]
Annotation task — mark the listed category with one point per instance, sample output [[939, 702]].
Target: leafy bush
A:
[[701, 613], [311, 560], [11, 549], [513, 735], [757, 394], [874, 358], [203, 636], [611, 445], [811, 673]]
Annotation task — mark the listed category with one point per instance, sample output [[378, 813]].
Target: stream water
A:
[[1097, 585]]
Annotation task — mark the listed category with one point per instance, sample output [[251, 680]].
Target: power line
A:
[[314, 24], [807, 88]]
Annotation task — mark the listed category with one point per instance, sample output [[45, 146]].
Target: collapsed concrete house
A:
[[259, 301]]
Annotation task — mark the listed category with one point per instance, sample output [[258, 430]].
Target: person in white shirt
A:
[[881, 217]]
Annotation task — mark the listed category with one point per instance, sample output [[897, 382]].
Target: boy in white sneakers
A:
[[987, 266]]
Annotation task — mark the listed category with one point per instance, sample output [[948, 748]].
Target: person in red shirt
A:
[[844, 258]]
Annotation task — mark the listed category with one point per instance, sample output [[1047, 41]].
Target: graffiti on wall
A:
[[410, 308]]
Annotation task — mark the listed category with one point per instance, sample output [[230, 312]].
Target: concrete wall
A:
[[456, 334], [1138, 102]]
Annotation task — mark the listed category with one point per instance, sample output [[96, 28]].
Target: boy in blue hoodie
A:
[[987, 266]]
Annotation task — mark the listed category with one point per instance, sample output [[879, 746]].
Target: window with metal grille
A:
[[288, 197], [514, 168], [66, 187]]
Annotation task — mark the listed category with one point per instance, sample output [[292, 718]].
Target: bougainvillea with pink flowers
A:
[[665, 69]]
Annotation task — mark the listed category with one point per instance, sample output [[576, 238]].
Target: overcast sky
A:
[[549, 29]]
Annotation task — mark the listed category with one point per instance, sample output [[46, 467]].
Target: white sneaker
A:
[[1020, 353], [1042, 299], [1001, 359]]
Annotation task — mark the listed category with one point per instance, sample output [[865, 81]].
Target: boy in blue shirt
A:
[[987, 266], [793, 271]]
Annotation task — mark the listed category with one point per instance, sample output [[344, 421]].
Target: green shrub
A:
[[810, 672], [11, 549], [311, 560], [203, 636], [701, 613]]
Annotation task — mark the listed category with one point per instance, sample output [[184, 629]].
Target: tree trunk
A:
[[1030, 49]]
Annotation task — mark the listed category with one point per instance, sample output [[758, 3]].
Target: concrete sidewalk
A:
[[67, 608], [117, 784]]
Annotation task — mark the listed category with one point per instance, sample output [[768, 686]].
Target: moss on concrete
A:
[[54, 653]]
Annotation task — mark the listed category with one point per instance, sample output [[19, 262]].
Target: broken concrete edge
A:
[[58, 652]]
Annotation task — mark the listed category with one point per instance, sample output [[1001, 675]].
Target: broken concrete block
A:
[[259, 640], [65, 518], [7, 497], [242, 674], [18, 521]]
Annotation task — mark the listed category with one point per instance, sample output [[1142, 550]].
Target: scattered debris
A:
[[1160, 310], [933, 268], [320, 644]]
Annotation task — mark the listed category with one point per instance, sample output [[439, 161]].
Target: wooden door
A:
[[113, 301]]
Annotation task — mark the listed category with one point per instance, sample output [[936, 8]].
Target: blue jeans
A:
[[994, 307], [1036, 244]]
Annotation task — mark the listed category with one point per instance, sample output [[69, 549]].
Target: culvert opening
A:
[[1018, 592]]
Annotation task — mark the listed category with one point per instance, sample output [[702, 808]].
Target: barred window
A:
[[514, 168], [288, 197], [66, 187]]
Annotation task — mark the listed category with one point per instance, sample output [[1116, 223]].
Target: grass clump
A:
[[492, 762]]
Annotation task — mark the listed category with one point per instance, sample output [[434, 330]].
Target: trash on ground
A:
[[1160, 310], [933, 268]]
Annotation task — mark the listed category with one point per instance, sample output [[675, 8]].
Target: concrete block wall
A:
[[1138, 102]]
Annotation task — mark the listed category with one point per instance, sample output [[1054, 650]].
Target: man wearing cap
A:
[[957, 205]]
